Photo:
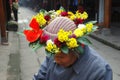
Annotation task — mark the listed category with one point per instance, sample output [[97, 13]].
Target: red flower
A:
[[34, 24], [57, 42], [32, 35], [78, 21], [80, 9], [44, 38], [73, 36], [47, 17], [64, 13]]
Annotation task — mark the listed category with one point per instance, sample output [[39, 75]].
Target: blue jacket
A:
[[90, 66]]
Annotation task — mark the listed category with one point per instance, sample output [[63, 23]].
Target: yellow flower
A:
[[72, 43], [70, 13], [55, 49], [59, 11], [51, 47], [82, 27], [78, 15], [84, 15], [63, 35], [40, 19], [89, 27], [72, 17], [78, 32]]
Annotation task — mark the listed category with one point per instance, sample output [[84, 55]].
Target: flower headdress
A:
[[65, 40]]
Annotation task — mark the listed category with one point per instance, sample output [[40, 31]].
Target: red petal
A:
[[32, 35], [34, 24]]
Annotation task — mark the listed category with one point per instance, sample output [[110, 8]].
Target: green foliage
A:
[[35, 45], [84, 40], [79, 49], [65, 49], [93, 22], [43, 11]]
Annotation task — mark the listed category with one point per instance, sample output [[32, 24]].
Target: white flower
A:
[[81, 26], [49, 41]]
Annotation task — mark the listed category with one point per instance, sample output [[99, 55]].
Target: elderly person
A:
[[74, 65], [68, 55]]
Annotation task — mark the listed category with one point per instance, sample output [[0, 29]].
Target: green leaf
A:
[[65, 49], [94, 22], [21, 33], [80, 49], [35, 46], [43, 11], [94, 28], [84, 41], [48, 53], [61, 8]]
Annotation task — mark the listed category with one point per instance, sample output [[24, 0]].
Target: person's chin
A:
[[64, 65]]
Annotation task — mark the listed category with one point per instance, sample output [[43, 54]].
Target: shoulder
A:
[[96, 58], [99, 65], [92, 60]]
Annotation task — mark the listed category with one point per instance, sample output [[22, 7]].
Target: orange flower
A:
[[32, 35]]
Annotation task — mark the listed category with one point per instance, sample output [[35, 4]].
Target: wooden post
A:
[[3, 22], [107, 9]]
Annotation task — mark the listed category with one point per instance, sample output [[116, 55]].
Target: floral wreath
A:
[[65, 40]]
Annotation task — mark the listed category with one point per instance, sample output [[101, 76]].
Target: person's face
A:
[[65, 60]]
